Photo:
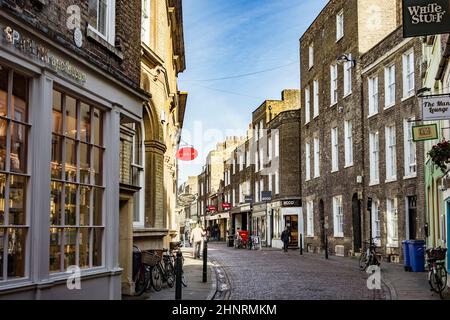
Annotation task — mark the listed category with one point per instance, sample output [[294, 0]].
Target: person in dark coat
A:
[[285, 237]]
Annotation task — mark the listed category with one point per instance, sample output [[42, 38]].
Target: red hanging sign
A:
[[187, 154], [226, 206]]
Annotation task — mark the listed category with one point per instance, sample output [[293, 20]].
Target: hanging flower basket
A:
[[440, 155]]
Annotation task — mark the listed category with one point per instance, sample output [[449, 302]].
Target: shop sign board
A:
[[436, 107], [425, 17], [266, 196], [292, 203], [425, 132]]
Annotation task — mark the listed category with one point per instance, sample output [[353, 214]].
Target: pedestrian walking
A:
[[286, 237], [196, 239]]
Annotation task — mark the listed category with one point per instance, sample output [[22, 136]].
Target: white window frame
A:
[[334, 94], [389, 86], [373, 95], [311, 55], [348, 66], [277, 144], [338, 217], [277, 182], [340, 25], [256, 161], [269, 148], [307, 105], [257, 192], [374, 146], [145, 22], [316, 158], [334, 149], [392, 223], [247, 158], [310, 219], [110, 23], [348, 129], [408, 75], [376, 222], [410, 155], [316, 98], [391, 153], [308, 161], [270, 186]]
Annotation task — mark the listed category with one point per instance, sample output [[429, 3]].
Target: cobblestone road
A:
[[274, 275]]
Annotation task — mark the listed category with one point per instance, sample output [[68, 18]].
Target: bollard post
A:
[[178, 273], [205, 261], [301, 244], [326, 246]]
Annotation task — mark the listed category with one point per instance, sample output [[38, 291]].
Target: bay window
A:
[[14, 174], [77, 187]]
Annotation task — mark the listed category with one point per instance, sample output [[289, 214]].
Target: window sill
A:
[[372, 115], [386, 107], [335, 170], [393, 179], [392, 245], [347, 95], [315, 117], [317, 177], [339, 39], [374, 183], [412, 176], [310, 236], [348, 165], [338, 236], [94, 36], [333, 104], [408, 97]]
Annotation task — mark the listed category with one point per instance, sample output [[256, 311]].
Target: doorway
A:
[[292, 223], [322, 223], [357, 235], [412, 217]]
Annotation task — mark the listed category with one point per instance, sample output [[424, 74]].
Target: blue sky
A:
[[231, 38]]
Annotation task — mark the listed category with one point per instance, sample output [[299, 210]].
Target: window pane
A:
[[93, 9], [85, 123], [85, 200], [98, 207], [57, 112], [56, 203], [70, 236], [2, 241], [98, 163], [2, 198], [71, 204], [102, 12], [3, 91], [71, 117], [85, 160], [20, 98], [84, 248], [55, 249], [97, 247], [3, 131], [17, 200], [98, 127], [71, 160], [18, 148], [57, 150], [16, 253]]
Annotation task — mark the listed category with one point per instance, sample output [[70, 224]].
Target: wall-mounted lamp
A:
[[346, 58]]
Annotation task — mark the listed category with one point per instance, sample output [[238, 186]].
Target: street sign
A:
[[248, 199], [425, 132], [266, 196], [425, 17], [436, 107]]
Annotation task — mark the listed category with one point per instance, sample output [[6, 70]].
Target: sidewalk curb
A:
[[392, 292], [213, 290]]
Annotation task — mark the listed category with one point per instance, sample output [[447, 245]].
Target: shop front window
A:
[[76, 211], [14, 130]]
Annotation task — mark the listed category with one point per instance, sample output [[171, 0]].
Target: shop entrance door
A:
[[292, 223], [412, 217]]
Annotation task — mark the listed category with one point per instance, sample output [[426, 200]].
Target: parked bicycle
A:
[[437, 274], [165, 272], [174, 249], [143, 270], [370, 256]]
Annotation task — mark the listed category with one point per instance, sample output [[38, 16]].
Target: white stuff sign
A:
[[436, 107]]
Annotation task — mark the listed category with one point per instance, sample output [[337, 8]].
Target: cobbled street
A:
[[273, 274]]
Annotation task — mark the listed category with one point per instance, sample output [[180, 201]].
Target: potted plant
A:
[[440, 155]]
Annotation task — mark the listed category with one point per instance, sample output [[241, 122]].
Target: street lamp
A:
[[346, 58]]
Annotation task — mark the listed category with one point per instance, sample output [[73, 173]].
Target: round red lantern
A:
[[187, 154]]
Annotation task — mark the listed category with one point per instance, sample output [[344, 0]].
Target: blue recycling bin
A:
[[406, 259], [417, 255]]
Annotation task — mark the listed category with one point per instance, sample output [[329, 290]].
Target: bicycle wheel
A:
[[441, 280], [363, 261], [170, 275], [141, 282], [183, 280], [157, 277], [431, 280]]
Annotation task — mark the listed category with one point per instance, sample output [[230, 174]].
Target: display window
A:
[[76, 214], [14, 130]]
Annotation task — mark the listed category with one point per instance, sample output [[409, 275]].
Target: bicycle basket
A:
[[437, 253], [150, 258]]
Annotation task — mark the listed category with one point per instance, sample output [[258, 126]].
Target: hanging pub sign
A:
[[211, 209], [436, 107], [226, 206], [425, 17], [187, 154], [425, 132]]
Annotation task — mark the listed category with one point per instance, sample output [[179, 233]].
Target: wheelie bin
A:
[[406, 259], [417, 255]]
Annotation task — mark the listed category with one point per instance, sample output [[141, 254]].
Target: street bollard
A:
[[205, 261], [326, 246], [178, 273], [301, 244]]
